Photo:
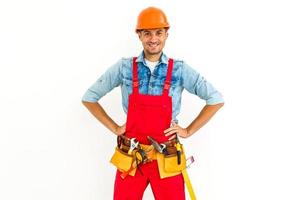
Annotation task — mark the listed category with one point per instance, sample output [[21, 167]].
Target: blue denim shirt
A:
[[183, 77]]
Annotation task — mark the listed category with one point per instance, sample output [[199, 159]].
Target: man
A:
[[151, 86]]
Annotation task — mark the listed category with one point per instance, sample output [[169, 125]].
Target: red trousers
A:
[[133, 187]]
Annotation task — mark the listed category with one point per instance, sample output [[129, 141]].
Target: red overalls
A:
[[149, 115]]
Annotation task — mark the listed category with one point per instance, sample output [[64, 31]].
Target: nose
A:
[[153, 38]]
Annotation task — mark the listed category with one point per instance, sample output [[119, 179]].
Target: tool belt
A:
[[124, 144], [170, 163]]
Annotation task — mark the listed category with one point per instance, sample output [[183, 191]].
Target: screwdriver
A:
[[178, 148]]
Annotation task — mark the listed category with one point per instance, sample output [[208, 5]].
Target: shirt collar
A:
[[163, 59]]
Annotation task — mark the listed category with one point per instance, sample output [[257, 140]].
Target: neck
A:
[[152, 58]]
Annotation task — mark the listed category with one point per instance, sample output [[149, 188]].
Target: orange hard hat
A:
[[150, 18]]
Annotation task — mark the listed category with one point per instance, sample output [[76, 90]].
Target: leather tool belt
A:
[[168, 162], [124, 145]]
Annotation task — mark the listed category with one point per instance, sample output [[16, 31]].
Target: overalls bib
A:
[[149, 115]]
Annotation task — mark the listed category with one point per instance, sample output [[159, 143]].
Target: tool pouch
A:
[[171, 162], [121, 160], [168, 166]]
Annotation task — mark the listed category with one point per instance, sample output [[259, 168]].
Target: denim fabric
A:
[[183, 77]]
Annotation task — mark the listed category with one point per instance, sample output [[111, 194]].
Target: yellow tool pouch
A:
[[168, 166], [171, 164], [121, 160]]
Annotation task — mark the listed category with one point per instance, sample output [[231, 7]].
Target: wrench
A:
[[133, 145]]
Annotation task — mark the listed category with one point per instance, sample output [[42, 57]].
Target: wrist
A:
[[115, 129], [188, 131]]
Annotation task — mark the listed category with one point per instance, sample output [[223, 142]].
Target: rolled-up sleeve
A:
[[107, 81], [196, 84]]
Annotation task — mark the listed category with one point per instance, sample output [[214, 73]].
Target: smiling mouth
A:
[[152, 45]]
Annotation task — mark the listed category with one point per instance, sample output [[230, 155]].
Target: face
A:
[[153, 40]]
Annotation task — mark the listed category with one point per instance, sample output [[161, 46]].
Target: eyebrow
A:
[[158, 31]]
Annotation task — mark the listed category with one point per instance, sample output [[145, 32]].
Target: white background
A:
[[52, 148]]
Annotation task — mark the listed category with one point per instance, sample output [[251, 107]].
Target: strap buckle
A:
[[166, 86], [135, 83]]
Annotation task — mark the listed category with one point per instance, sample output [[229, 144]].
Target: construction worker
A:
[[151, 86]]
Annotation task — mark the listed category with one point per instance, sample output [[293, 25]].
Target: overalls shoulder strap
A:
[[168, 77], [135, 81]]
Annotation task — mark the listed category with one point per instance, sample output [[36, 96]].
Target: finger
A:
[[171, 132], [169, 129], [172, 137]]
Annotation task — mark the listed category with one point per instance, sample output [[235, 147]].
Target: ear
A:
[[139, 34], [167, 32]]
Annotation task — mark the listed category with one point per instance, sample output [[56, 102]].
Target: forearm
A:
[[97, 110], [204, 116]]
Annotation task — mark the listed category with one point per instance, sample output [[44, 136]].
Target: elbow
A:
[[84, 102], [87, 103], [217, 105], [220, 105]]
